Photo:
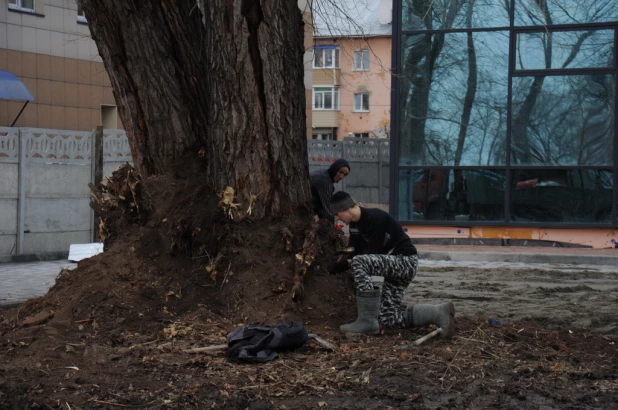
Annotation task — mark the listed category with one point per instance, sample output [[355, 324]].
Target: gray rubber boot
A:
[[368, 305], [442, 315]]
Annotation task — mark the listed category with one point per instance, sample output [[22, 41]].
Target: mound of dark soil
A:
[[170, 248]]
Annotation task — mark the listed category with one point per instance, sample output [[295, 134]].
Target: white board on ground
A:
[[79, 251]]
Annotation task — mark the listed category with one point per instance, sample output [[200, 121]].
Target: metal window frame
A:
[[508, 168]]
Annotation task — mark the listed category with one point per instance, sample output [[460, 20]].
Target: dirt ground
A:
[[112, 333]]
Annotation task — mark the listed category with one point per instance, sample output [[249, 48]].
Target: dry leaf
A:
[[322, 404]]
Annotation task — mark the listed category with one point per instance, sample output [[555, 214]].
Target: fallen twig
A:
[[205, 349], [322, 342], [226, 273]]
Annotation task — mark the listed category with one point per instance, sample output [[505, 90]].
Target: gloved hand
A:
[[338, 267]]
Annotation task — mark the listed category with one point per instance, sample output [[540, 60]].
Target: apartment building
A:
[[351, 70]]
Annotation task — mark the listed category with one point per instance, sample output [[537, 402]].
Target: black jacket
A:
[[376, 232]]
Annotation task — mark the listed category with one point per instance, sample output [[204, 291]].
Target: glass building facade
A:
[[504, 112]]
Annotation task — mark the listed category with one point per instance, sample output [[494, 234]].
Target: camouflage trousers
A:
[[398, 271]]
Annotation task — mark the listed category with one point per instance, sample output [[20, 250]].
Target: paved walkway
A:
[[22, 281]]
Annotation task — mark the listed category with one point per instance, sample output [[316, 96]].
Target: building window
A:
[[361, 60], [326, 57], [81, 16], [361, 102], [23, 5], [361, 135], [326, 98]]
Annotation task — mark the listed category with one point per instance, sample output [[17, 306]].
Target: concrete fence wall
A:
[[44, 194], [369, 158], [44, 176]]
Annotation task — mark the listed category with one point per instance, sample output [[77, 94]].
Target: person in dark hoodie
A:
[[323, 185], [382, 248]]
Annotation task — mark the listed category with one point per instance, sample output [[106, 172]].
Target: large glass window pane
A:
[[453, 97], [546, 12], [562, 195], [564, 49], [563, 120], [451, 195], [445, 14]]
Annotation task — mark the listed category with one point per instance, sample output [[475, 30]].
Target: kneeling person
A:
[[382, 248]]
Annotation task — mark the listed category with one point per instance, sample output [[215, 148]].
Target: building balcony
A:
[[326, 76], [325, 118]]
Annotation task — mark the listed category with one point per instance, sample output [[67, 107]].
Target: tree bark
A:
[[226, 79]]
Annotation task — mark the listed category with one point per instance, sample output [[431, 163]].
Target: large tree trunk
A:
[[226, 79]]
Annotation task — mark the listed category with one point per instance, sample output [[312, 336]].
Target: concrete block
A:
[[8, 181], [8, 244], [53, 242], [57, 215], [57, 180], [8, 216]]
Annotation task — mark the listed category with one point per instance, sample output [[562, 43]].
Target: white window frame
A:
[[81, 15], [321, 91], [361, 60], [18, 6], [320, 55], [360, 107], [361, 135]]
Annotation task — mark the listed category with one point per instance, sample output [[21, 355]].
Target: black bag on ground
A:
[[258, 343]]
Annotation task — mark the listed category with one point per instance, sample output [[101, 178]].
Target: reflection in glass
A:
[[546, 12], [451, 195], [445, 14], [563, 120], [564, 49], [561, 195], [453, 98]]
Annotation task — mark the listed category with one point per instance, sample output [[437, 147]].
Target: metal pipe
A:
[[18, 115]]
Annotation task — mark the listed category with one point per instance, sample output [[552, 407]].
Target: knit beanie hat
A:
[[340, 201], [337, 165]]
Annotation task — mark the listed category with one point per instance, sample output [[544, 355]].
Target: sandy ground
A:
[[565, 295]]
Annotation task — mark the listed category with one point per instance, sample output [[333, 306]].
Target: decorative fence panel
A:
[[44, 194]]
